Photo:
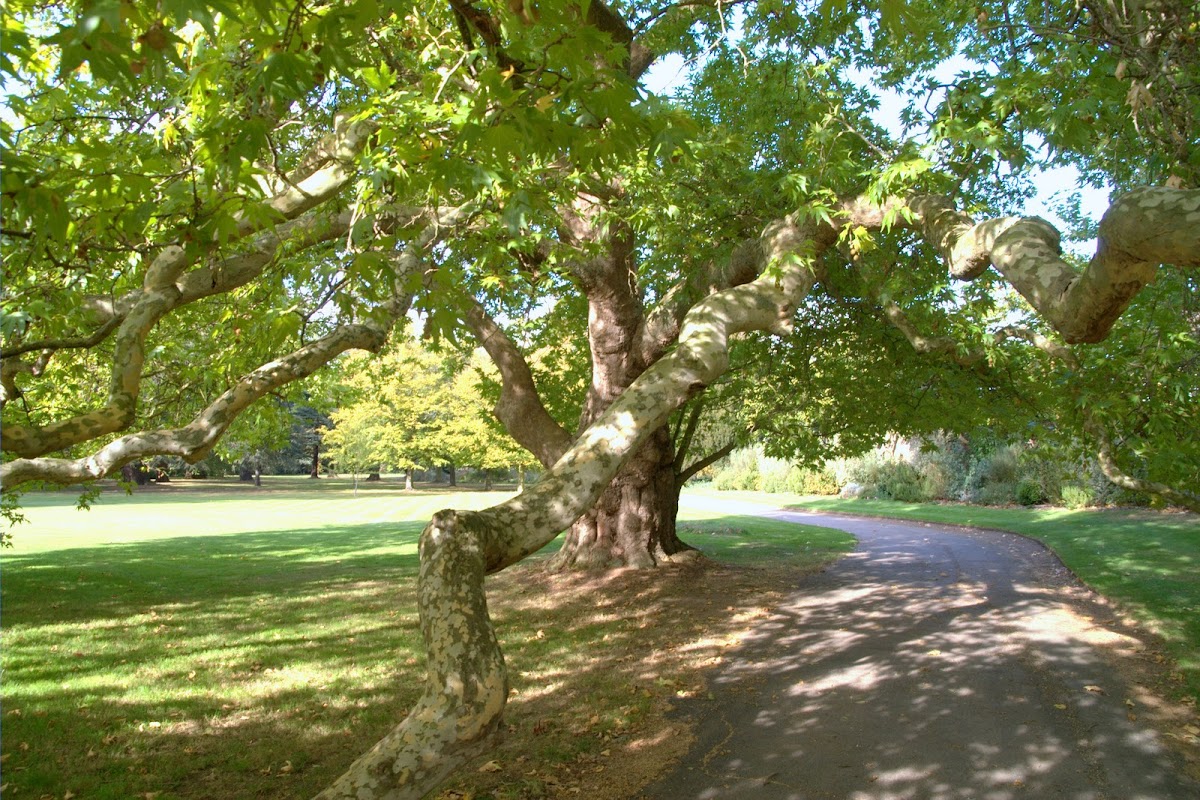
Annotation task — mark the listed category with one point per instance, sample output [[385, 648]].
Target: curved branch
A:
[[710, 459], [146, 308], [196, 439], [519, 406], [466, 683], [166, 287], [1114, 473], [193, 441], [663, 322], [928, 345], [1059, 352], [1141, 230], [74, 343]]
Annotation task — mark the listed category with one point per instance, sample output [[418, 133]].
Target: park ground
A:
[[206, 639]]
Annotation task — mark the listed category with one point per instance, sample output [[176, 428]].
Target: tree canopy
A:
[[206, 202]]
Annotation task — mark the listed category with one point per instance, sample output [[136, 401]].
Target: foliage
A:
[[204, 203], [414, 408], [978, 468], [1076, 497]]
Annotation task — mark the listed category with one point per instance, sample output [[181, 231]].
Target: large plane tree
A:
[[206, 202]]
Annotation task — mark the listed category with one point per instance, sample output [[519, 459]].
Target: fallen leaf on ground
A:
[[491, 766]]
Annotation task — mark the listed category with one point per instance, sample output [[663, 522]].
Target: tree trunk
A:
[[487, 480], [408, 479], [374, 476], [452, 473], [466, 685], [315, 471], [633, 524]]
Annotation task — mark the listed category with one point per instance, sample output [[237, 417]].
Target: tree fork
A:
[[465, 676]]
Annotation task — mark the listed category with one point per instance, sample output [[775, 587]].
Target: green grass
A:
[[757, 541], [136, 633], [210, 639], [1146, 561]]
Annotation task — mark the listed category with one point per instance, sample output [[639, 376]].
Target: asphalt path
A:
[[931, 663]]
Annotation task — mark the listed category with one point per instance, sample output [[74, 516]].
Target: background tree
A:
[[352, 442]]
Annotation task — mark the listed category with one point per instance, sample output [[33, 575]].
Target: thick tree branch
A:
[[928, 345], [520, 406], [710, 459], [194, 440], [1108, 465], [1057, 351], [466, 684], [683, 442], [71, 343], [1142, 230], [662, 323], [167, 287]]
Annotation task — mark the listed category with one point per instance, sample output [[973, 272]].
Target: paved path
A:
[[930, 664]]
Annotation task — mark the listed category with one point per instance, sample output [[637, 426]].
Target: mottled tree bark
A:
[[466, 685], [633, 523], [195, 440]]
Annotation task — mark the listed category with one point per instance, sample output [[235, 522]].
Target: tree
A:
[[204, 203], [353, 441]]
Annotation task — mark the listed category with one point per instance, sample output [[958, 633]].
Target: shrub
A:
[[886, 479], [773, 475], [801, 480], [1002, 466], [1029, 492], [996, 494], [1076, 497], [740, 472]]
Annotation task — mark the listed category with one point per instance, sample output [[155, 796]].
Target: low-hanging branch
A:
[[193, 441], [1142, 230], [519, 406], [168, 285], [977, 358], [466, 683]]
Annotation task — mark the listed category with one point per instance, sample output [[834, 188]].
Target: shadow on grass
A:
[[261, 664]]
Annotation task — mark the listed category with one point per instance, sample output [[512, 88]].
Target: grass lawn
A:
[[1147, 561], [211, 640]]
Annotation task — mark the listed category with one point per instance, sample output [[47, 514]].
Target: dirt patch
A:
[[613, 653]]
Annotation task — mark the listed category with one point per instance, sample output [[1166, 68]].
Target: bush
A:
[[1076, 497], [811, 481], [996, 494], [773, 475], [1029, 492], [886, 479], [739, 472], [1002, 466]]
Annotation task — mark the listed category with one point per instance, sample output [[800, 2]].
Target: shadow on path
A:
[[931, 664]]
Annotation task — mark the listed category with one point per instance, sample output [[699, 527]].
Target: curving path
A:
[[931, 663]]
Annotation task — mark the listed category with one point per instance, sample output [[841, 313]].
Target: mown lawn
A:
[[1147, 561], [210, 639]]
